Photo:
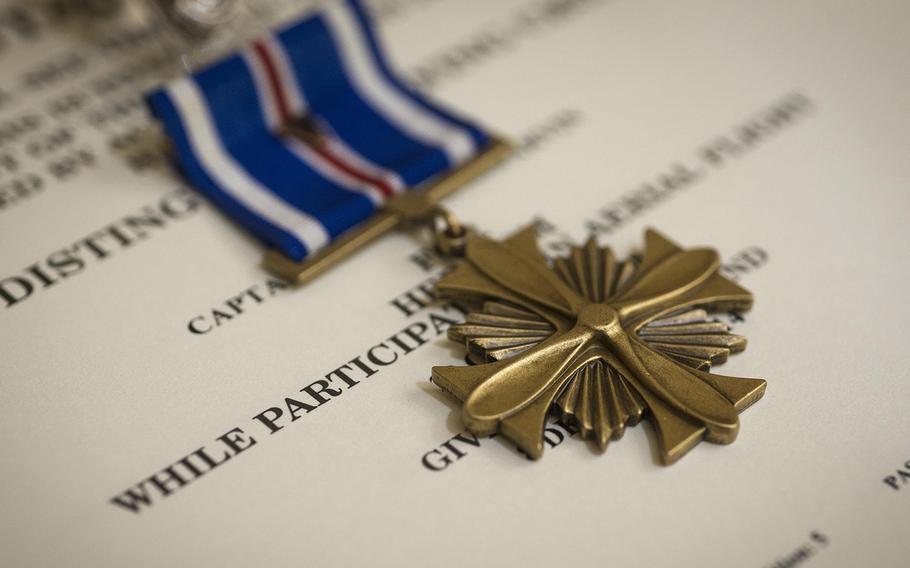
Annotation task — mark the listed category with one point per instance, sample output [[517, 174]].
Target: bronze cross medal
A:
[[602, 343]]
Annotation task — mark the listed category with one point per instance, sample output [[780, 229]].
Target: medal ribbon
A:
[[376, 136]]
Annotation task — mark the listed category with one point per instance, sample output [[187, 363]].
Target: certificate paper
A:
[[165, 402]]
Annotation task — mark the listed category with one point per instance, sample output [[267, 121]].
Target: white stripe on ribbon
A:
[[270, 112], [231, 176], [373, 87]]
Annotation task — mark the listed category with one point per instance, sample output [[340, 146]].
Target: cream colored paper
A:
[[103, 385]]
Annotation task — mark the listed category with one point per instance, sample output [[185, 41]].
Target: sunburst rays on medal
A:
[[598, 342], [596, 399]]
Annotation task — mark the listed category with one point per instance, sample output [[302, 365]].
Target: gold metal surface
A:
[[598, 342], [402, 208]]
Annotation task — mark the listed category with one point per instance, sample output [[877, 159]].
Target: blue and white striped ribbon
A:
[[380, 137]]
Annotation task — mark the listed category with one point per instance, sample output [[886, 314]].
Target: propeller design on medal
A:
[[599, 342]]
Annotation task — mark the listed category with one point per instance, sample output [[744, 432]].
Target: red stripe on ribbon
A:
[[284, 112]]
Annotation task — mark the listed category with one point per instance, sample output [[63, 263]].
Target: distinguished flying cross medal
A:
[[309, 140]]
